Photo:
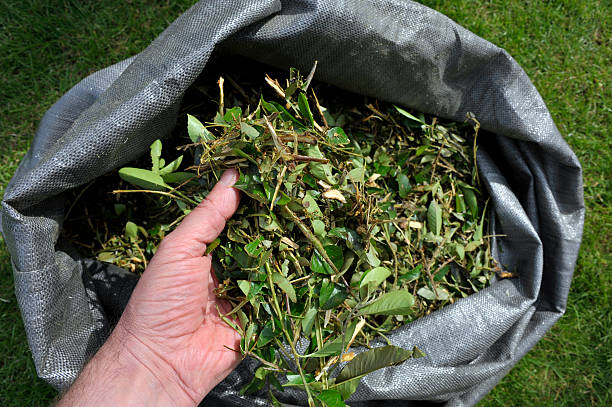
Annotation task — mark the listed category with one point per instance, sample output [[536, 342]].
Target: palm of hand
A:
[[174, 311]]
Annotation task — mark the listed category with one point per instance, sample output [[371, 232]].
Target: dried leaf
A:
[[334, 194]]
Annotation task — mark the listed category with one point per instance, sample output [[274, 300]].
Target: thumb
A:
[[207, 220]]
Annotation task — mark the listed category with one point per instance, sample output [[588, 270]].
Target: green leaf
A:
[[248, 130], [269, 191], [256, 384], [309, 180], [254, 290], [459, 203], [426, 293], [318, 227], [253, 249], [371, 279], [131, 231], [320, 170], [429, 294], [284, 285], [357, 175], [178, 177], [220, 120], [331, 398], [331, 295], [417, 353], [440, 274], [412, 274], [353, 241], [335, 255], [107, 257], [318, 265], [290, 90], [372, 360], [348, 387], [336, 346], [268, 107], [143, 178], [459, 250], [197, 131], [404, 185], [305, 108], [247, 184], [480, 228], [470, 199], [274, 382], [391, 303], [282, 199], [266, 335], [434, 218], [212, 246], [119, 209], [286, 116], [311, 206], [408, 115], [308, 321], [340, 232], [245, 286], [273, 400], [473, 245], [170, 168], [337, 136], [242, 154], [372, 256], [232, 115], [156, 149], [296, 379]]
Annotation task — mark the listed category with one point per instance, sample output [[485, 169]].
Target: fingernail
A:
[[229, 177]]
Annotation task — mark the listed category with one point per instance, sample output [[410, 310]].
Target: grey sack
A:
[[396, 50]]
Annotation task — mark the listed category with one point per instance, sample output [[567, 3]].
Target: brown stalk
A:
[[320, 110], [298, 157], [299, 138]]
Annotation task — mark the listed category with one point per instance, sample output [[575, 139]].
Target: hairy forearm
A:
[[122, 374]]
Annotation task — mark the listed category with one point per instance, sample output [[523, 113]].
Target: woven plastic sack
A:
[[395, 50]]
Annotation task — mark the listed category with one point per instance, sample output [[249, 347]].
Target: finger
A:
[[207, 220]]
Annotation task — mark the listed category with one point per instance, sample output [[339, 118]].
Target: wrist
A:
[[126, 372], [151, 373]]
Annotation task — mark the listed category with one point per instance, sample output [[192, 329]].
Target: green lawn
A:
[[564, 46]]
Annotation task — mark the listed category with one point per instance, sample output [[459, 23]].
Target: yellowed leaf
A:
[[372, 181], [347, 357]]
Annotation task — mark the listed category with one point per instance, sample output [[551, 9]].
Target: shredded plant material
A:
[[354, 221]]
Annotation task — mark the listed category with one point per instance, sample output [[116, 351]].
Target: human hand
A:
[[170, 342]]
